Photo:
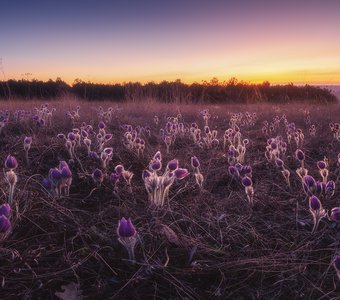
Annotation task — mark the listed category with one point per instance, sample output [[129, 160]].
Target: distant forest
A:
[[213, 91]]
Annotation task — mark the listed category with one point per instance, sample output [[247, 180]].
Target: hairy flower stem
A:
[[11, 193], [129, 244], [26, 157]]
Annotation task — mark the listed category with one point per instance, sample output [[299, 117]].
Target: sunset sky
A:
[[148, 40]]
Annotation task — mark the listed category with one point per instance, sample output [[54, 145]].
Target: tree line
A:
[[213, 91]]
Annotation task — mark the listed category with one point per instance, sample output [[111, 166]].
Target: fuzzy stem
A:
[[11, 193], [26, 157]]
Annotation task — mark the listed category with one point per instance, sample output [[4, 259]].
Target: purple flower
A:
[[321, 165], [47, 184], [158, 156], [155, 165], [146, 174], [55, 175], [97, 174], [66, 172], [119, 169], [195, 162], [300, 155], [233, 171], [246, 170], [71, 136], [11, 162], [108, 137], [5, 224], [5, 210], [273, 145], [238, 166], [126, 228], [101, 125], [181, 173], [309, 184], [84, 133], [279, 163], [61, 136], [319, 187], [330, 188], [172, 165], [246, 181], [231, 153], [335, 214], [93, 155], [114, 178], [215, 143], [314, 203], [27, 140]]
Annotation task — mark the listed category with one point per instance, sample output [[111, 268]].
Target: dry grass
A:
[[202, 245]]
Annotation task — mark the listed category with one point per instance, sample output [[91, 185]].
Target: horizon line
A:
[[189, 82]]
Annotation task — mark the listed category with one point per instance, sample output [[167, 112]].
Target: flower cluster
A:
[[120, 172], [296, 134], [73, 115], [335, 128], [236, 145], [158, 186], [276, 149], [238, 171], [43, 115], [206, 116], [312, 130], [59, 180], [132, 139], [106, 115]]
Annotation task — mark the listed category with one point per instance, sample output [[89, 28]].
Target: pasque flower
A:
[[127, 236], [317, 211], [158, 186]]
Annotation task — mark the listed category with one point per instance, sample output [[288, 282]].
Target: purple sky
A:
[[115, 41]]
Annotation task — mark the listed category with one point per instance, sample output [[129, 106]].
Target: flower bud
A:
[[98, 175], [195, 162], [5, 224], [181, 173], [172, 165], [11, 162], [5, 210], [321, 165], [300, 155], [47, 184], [314, 203], [101, 125], [335, 214], [155, 165], [246, 181], [126, 228]]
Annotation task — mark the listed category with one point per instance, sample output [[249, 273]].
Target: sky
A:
[[147, 40]]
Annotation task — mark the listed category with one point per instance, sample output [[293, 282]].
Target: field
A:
[[235, 227]]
